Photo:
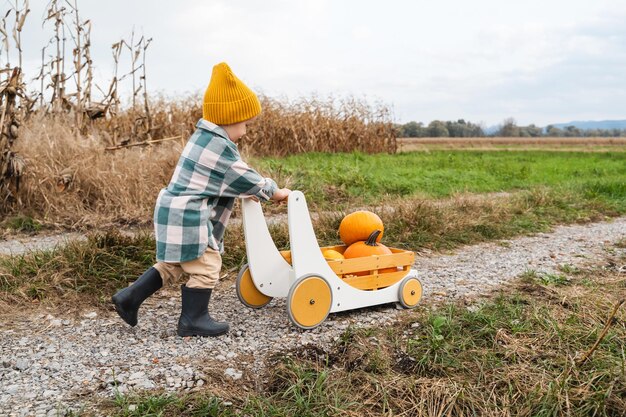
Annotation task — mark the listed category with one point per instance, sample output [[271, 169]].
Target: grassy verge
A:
[[520, 353], [170, 404], [96, 268], [93, 269]]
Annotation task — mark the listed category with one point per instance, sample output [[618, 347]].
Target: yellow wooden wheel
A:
[[410, 292], [247, 292], [309, 301]]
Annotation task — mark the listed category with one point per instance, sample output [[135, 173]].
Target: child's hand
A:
[[281, 194]]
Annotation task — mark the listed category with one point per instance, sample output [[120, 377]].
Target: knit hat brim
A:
[[228, 113]]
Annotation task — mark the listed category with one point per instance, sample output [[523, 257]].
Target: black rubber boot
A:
[[128, 300], [194, 317]]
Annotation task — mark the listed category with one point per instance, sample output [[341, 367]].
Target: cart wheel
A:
[[410, 292], [247, 292], [309, 301]]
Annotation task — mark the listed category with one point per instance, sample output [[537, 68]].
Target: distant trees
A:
[[463, 129], [411, 130], [553, 131], [532, 131], [508, 128], [438, 128], [573, 131]]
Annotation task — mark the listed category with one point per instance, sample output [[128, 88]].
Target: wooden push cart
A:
[[313, 285]]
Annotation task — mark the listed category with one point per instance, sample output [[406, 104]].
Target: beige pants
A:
[[204, 272]]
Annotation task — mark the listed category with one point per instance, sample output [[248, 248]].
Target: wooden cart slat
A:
[[347, 268]]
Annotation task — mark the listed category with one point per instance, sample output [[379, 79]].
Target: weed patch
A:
[[22, 224]]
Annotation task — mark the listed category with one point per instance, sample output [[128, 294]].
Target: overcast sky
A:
[[540, 62]]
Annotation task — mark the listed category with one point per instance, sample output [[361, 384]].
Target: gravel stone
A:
[[68, 363], [233, 373], [50, 393], [22, 364], [12, 389], [137, 375], [54, 366]]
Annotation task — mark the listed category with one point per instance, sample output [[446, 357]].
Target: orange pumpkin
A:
[[359, 225], [368, 248]]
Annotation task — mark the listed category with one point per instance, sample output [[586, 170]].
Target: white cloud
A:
[[538, 61]]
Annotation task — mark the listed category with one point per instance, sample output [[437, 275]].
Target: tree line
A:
[[509, 128]]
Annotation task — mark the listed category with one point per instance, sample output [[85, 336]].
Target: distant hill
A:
[[586, 125]]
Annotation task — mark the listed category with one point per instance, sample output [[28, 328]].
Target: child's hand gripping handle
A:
[[281, 195]]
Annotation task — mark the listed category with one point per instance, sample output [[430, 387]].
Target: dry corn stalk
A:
[[20, 19], [11, 164], [57, 76], [77, 52]]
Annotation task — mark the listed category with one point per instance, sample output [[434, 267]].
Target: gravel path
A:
[[50, 362], [19, 245]]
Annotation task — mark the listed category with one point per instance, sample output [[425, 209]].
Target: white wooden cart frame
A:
[[309, 274]]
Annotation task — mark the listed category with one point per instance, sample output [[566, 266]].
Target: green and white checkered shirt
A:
[[192, 212]]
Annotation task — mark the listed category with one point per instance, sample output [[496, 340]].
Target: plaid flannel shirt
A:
[[192, 212]]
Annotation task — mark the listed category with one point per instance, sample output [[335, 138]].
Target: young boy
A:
[[191, 214]]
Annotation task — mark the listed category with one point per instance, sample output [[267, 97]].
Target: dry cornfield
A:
[[283, 128], [78, 183], [315, 125]]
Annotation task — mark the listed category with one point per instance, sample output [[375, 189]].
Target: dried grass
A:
[[513, 355], [586, 144], [75, 182], [517, 141], [78, 184]]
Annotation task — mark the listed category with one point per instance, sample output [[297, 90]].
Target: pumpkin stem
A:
[[371, 240]]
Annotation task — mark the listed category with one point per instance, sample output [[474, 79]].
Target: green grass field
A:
[[328, 179]]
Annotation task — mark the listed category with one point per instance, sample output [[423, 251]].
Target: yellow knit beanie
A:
[[227, 99]]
